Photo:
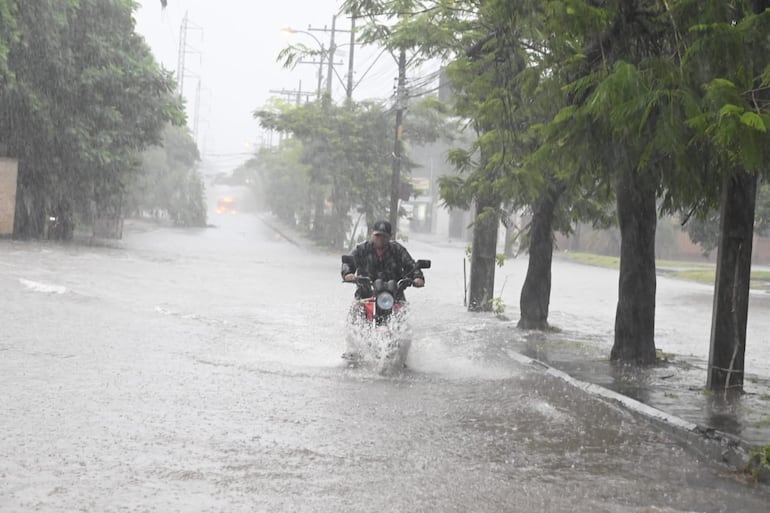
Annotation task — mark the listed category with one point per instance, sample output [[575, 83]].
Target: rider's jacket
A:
[[394, 264]]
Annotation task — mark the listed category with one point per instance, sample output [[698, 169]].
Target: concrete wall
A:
[[8, 171]]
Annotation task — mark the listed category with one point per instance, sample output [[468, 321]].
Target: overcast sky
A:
[[232, 47]]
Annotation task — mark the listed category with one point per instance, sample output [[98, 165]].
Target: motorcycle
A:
[[377, 322]]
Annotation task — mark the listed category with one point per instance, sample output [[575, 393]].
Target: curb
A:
[[712, 443], [296, 239], [279, 232]]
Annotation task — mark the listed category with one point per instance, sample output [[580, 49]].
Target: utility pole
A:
[[331, 59], [320, 61], [293, 94], [330, 51], [197, 111], [320, 73], [395, 186], [349, 88], [320, 64]]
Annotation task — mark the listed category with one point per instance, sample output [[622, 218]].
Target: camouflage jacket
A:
[[394, 264]]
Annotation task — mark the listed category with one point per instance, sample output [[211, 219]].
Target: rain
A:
[[185, 195]]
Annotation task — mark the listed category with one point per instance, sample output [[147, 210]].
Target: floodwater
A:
[[200, 371]]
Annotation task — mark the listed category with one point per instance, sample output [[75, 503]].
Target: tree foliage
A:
[[347, 154], [337, 161], [505, 88], [168, 184], [8, 36], [281, 182], [81, 96], [703, 227]]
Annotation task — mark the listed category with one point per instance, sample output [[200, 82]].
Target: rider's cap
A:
[[382, 228]]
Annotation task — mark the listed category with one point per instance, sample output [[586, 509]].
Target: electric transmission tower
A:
[[182, 72]]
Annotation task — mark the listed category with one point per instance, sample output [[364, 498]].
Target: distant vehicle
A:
[[226, 206]]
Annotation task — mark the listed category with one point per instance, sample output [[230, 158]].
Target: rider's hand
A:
[[418, 282], [350, 277]]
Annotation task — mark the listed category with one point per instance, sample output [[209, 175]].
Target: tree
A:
[[500, 79], [444, 29], [734, 118], [609, 54], [126, 101], [26, 100], [347, 152], [407, 30], [283, 181], [686, 126], [168, 182], [83, 97]]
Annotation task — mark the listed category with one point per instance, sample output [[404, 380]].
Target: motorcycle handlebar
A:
[[401, 284], [404, 283], [359, 280]]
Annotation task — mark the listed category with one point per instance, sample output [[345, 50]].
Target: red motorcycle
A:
[[377, 327]]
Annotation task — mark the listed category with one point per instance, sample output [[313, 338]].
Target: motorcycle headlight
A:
[[385, 301]]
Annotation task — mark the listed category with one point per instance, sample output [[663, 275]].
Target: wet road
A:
[[199, 370]]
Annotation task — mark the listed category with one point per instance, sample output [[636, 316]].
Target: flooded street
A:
[[200, 371]]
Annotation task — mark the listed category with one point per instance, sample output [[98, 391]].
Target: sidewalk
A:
[[729, 429]]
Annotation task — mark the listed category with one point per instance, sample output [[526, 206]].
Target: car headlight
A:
[[385, 301]]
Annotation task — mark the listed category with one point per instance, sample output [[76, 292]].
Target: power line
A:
[[424, 93], [424, 80]]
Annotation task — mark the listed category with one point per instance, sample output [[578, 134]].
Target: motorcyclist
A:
[[382, 258]]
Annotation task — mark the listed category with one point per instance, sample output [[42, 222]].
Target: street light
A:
[[290, 31]]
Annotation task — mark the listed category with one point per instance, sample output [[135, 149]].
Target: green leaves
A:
[[82, 96], [755, 121], [729, 122], [573, 90], [292, 54], [454, 192], [168, 181], [346, 151]]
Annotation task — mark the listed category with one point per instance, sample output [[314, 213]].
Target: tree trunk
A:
[[319, 224], [635, 314], [536, 292], [62, 223], [731, 290], [733, 275], [31, 212], [108, 221], [511, 232], [341, 225], [483, 255]]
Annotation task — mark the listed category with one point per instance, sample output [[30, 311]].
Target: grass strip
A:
[[700, 272]]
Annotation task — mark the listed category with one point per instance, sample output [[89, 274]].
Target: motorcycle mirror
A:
[[423, 264], [347, 259]]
